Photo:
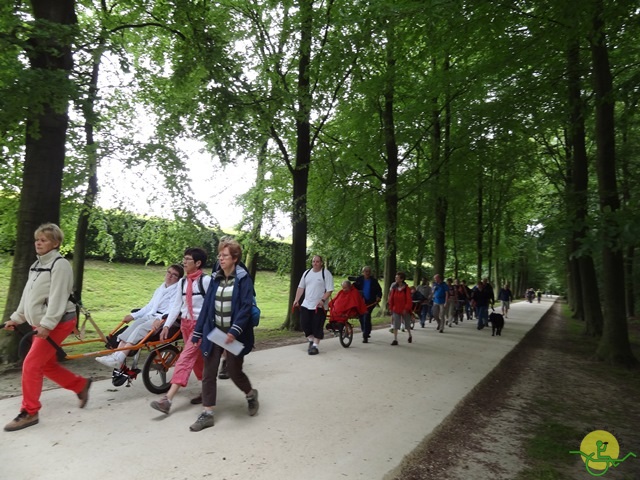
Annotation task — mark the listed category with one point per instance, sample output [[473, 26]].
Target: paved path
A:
[[349, 413]]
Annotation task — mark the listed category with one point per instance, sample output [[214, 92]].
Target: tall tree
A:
[[577, 203], [614, 345], [50, 60]]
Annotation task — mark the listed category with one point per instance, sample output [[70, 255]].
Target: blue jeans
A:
[[423, 314], [483, 317], [365, 322]]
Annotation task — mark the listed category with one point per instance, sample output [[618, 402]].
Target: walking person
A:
[[47, 307], [424, 289], [371, 292], [317, 285], [227, 307], [451, 303], [506, 297], [440, 290], [187, 304], [400, 304], [482, 298]]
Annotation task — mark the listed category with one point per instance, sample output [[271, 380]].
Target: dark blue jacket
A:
[[375, 291], [241, 303]]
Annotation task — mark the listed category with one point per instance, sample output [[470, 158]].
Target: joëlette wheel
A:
[[346, 335], [157, 370]]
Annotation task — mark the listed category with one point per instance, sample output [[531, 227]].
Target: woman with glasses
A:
[[186, 305], [227, 307], [145, 317]]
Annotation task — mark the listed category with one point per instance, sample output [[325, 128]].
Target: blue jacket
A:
[[440, 293], [241, 303]]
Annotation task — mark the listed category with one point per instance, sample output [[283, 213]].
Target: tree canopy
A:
[[493, 139]]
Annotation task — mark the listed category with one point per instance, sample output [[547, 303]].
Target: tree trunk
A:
[[376, 249], [441, 187], [391, 180], [614, 345], [479, 229], [50, 59], [578, 201], [303, 161], [257, 210], [80, 246]]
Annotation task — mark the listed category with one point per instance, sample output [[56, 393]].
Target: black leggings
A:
[[312, 322]]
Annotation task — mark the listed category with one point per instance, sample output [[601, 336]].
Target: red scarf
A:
[[192, 277]]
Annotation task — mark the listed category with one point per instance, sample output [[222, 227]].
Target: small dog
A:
[[497, 323]]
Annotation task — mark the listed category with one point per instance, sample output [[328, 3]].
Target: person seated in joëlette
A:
[[348, 303]]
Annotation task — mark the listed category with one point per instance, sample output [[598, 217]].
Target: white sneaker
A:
[[109, 361]]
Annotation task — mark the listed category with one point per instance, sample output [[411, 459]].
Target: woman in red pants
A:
[[46, 306]]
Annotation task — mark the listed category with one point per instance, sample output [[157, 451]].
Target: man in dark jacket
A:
[[372, 294]]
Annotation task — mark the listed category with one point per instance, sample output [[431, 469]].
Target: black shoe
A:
[[313, 350], [365, 340], [83, 396], [395, 342], [223, 375]]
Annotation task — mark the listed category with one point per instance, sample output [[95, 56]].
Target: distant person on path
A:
[[440, 290], [371, 292], [506, 297], [467, 294], [401, 305], [317, 285], [482, 298], [425, 290], [47, 307], [145, 317], [452, 302], [539, 295], [489, 291], [227, 307], [187, 304]]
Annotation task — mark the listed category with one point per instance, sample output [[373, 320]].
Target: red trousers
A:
[[41, 362]]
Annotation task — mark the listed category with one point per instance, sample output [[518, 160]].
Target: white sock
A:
[[119, 356]]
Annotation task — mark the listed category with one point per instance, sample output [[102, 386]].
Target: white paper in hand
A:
[[218, 337]]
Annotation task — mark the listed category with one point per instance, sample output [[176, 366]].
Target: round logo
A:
[[599, 444]]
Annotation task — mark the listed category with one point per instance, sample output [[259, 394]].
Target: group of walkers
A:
[[203, 303], [446, 302], [223, 302]]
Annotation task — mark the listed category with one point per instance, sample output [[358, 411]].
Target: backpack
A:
[[72, 299], [255, 313], [201, 290]]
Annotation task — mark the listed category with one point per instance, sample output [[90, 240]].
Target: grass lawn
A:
[[111, 290]]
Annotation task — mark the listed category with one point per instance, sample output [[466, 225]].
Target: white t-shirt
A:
[[315, 287]]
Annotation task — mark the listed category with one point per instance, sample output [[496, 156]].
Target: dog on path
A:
[[497, 323]]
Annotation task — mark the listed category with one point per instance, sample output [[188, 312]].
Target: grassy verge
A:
[[562, 420]]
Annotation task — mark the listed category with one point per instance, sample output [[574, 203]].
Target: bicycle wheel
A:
[[346, 335], [156, 373]]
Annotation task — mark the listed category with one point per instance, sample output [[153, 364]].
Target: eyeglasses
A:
[[174, 275], [187, 259], [223, 255]]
